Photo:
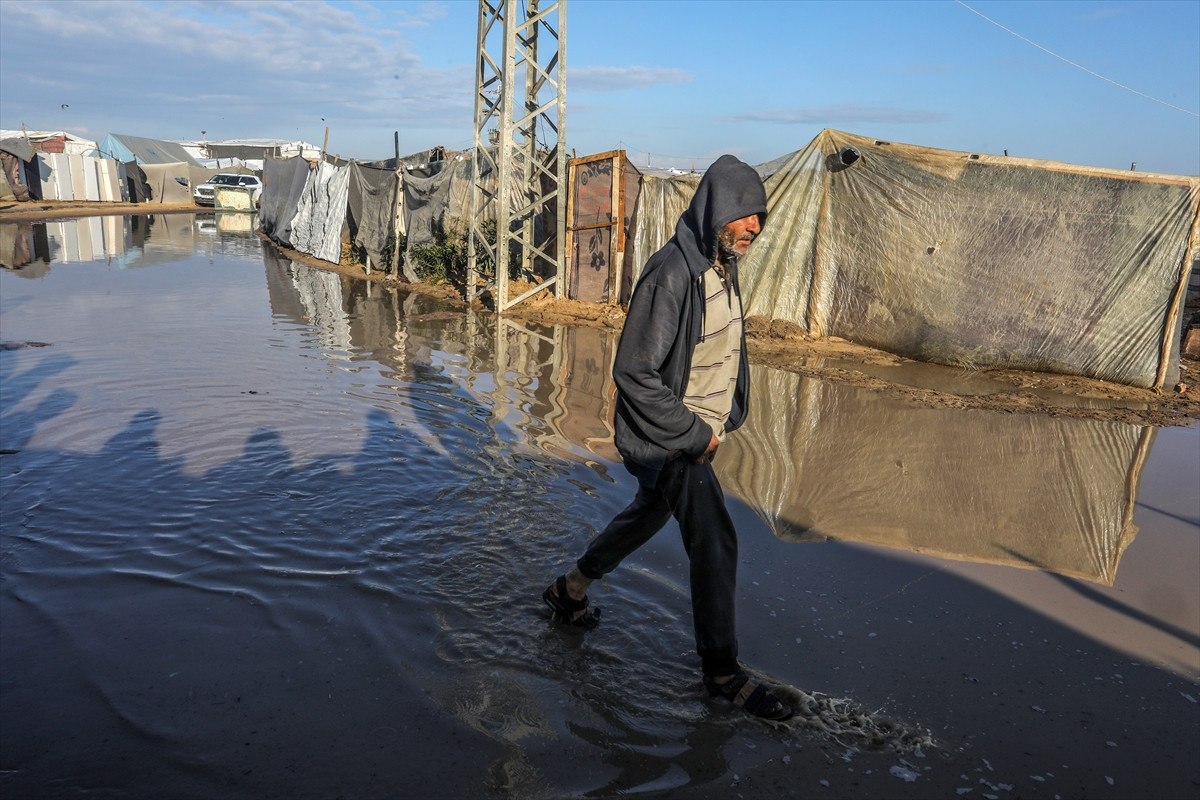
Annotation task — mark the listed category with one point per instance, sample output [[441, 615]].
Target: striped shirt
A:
[[717, 356]]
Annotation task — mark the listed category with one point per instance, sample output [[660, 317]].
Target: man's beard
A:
[[727, 253]]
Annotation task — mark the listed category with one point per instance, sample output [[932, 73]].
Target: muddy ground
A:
[[782, 346], [46, 210]]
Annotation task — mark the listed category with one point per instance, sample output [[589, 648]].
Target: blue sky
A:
[[675, 83]]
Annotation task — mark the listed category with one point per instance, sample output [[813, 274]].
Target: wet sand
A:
[[276, 532]]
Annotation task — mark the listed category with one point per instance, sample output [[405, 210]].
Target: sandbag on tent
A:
[[321, 212], [372, 209], [976, 260], [820, 460]]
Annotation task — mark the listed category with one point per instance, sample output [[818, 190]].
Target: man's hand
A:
[[707, 455]]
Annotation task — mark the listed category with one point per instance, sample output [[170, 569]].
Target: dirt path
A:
[[1012, 391], [43, 210], [783, 347]]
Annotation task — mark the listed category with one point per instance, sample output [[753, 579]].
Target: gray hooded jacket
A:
[[664, 323]]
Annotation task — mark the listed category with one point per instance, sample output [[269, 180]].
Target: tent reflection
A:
[[828, 461]]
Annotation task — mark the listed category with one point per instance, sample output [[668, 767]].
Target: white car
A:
[[203, 194]]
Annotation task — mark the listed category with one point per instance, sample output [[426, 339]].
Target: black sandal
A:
[[760, 702], [566, 609]]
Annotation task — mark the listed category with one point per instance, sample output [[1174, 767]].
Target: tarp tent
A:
[[173, 182], [15, 153], [304, 207], [53, 141], [283, 184], [259, 149], [664, 197], [371, 201], [977, 260], [124, 147]]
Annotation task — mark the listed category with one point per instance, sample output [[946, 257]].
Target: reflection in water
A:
[[821, 460], [138, 240], [298, 553], [232, 223]]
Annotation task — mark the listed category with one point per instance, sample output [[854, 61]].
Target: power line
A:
[[1073, 64]]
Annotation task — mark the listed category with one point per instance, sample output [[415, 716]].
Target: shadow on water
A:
[[364, 621]]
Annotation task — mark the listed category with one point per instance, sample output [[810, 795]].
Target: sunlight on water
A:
[[249, 506]]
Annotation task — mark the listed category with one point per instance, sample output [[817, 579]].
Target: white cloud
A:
[[839, 114], [264, 67], [617, 79]]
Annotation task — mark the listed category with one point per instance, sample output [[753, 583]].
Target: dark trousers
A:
[[691, 493]]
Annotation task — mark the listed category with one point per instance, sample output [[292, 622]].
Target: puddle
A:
[[271, 532], [828, 461]]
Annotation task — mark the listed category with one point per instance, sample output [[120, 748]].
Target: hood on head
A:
[[729, 190]]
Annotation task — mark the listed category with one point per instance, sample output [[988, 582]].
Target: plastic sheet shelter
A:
[[820, 460], [437, 196], [371, 206], [283, 183], [14, 155], [663, 198], [259, 149], [304, 206], [124, 147], [173, 182], [978, 261], [435, 205], [53, 141]]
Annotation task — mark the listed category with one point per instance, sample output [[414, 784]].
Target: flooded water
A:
[[270, 532]]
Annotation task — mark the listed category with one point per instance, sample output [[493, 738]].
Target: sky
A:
[[675, 84]]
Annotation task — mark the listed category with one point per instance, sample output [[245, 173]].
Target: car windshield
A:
[[224, 180]]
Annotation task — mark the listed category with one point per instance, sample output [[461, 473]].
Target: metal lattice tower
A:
[[520, 168]]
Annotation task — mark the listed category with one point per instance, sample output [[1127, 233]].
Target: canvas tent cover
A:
[[976, 260], [124, 148]]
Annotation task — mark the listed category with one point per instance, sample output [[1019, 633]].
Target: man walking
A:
[[682, 385]]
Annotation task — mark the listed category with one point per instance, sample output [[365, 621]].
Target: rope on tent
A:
[[1072, 63]]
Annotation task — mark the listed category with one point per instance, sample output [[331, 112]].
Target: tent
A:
[[371, 201], [15, 154], [978, 261], [53, 141], [258, 149], [123, 148], [304, 206], [964, 258]]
